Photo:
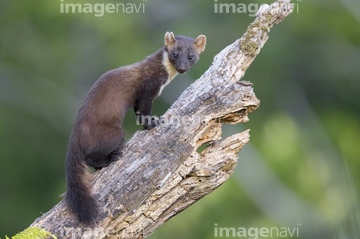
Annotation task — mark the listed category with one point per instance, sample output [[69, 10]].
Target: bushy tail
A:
[[78, 194]]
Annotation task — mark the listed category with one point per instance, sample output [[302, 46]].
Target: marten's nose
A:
[[181, 70]]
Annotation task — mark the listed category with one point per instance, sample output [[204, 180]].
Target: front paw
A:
[[153, 122]]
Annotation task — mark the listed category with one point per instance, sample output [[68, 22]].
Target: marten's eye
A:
[[175, 55], [191, 57]]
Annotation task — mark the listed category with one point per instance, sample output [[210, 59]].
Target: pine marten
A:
[[97, 136]]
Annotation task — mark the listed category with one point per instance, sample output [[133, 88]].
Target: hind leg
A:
[[115, 155], [106, 150]]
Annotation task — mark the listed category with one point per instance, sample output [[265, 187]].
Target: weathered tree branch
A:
[[161, 173]]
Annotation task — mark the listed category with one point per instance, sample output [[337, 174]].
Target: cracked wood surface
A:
[[161, 173]]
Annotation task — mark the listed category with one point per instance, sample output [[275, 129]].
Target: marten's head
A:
[[183, 52]]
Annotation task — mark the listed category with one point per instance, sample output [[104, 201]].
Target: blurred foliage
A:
[[302, 165], [33, 232]]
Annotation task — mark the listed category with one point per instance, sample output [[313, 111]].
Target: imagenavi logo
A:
[[100, 9]]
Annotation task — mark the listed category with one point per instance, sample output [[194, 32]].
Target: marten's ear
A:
[[200, 43], [169, 39]]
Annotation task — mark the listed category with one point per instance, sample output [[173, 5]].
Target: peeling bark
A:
[[161, 173]]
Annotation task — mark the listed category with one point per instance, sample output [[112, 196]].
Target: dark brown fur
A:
[[97, 136]]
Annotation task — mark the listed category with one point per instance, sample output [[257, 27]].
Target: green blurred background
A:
[[301, 168]]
